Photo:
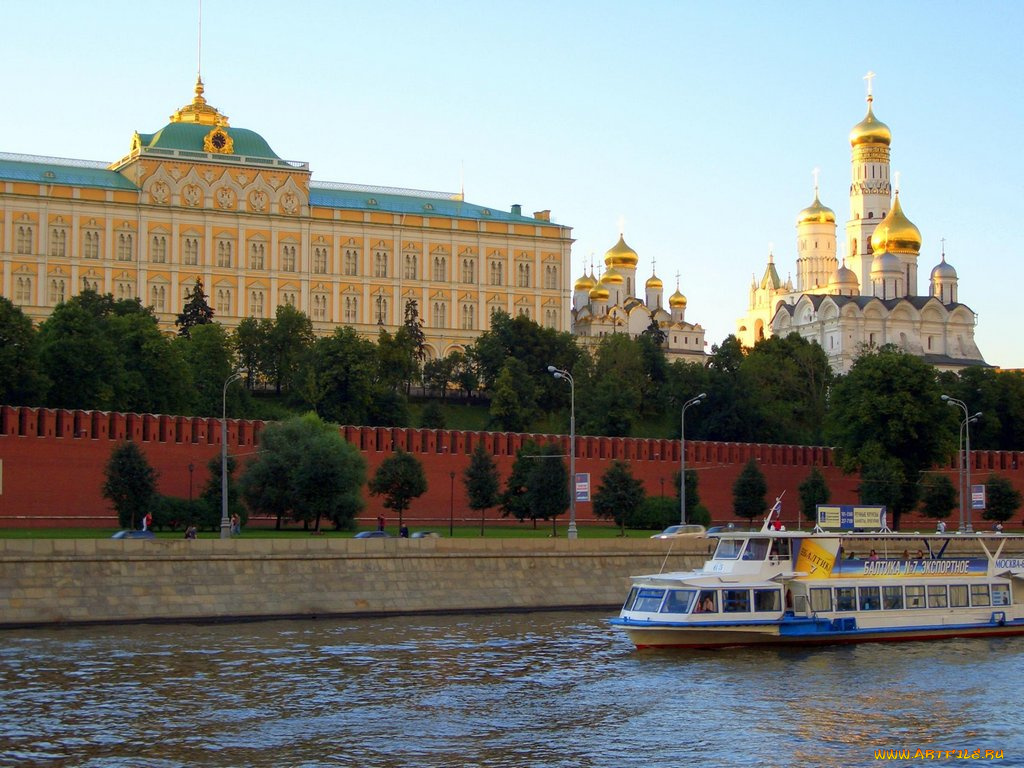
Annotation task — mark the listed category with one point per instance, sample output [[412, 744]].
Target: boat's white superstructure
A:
[[806, 587]]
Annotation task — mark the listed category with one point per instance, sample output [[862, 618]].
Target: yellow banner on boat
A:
[[817, 558]]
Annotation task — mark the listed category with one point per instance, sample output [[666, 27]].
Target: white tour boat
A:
[[815, 587]]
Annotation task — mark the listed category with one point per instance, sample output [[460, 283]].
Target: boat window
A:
[[915, 597], [678, 601], [628, 605], [958, 596], [1000, 594], [735, 600], [892, 598], [707, 602], [757, 549], [846, 598], [869, 600], [649, 600], [728, 549], [767, 600], [780, 549], [979, 594], [937, 596], [821, 599]]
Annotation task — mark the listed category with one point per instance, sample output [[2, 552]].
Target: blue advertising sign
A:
[[849, 517], [582, 486], [977, 497]]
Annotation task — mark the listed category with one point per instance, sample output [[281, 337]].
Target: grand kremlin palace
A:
[[201, 199]]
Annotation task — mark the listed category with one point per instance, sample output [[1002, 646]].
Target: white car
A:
[[679, 531]]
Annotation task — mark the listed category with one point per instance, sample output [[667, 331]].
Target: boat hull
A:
[[774, 634]]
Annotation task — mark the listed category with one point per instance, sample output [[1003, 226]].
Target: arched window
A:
[[380, 264], [320, 260], [58, 242], [158, 249], [409, 272], [190, 251], [440, 268], [224, 254], [469, 270], [351, 262], [468, 317]]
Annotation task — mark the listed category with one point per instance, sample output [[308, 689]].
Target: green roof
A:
[[189, 136], [55, 170], [412, 201]]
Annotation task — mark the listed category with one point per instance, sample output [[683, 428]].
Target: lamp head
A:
[[551, 369], [945, 398], [702, 395]]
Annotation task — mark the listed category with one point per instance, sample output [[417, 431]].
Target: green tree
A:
[[513, 398], [938, 497], [481, 481], [290, 336], [749, 491], [813, 491], [432, 417], [307, 471], [21, 380], [399, 479], [399, 366], [210, 511], [619, 496], [251, 342], [338, 378], [196, 310], [464, 373], [732, 413], [887, 409], [537, 487], [1002, 499], [129, 484], [611, 396], [413, 328], [209, 357], [438, 375]]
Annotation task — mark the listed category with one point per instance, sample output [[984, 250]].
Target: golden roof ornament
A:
[[199, 111]]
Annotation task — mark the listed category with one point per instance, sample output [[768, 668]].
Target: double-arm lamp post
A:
[[225, 523], [559, 373], [682, 454], [965, 462]]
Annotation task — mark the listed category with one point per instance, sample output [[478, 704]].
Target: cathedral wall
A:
[[52, 464]]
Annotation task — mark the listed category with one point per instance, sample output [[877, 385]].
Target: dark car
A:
[[134, 535], [373, 535], [722, 528]]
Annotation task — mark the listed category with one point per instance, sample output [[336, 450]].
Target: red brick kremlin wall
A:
[[53, 460]]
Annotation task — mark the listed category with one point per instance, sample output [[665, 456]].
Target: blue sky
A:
[[697, 125]]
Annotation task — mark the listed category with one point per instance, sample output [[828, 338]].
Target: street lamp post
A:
[[682, 454], [225, 524], [559, 373], [964, 468], [191, 468], [451, 507]]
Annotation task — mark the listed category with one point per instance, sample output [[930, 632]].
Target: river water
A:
[[540, 689]]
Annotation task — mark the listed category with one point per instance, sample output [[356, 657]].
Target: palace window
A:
[[224, 254], [23, 239], [523, 274], [380, 264], [159, 249], [288, 260], [125, 246], [440, 268], [290, 298], [551, 277], [91, 285], [223, 301], [319, 306], [409, 267], [158, 298], [124, 289], [56, 291], [257, 301], [257, 256], [469, 270], [497, 273], [351, 262], [381, 311], [58, 242], [468, 317], [91, 242], [190, 251], [524, 312], [350, 310], [440, 314], [551, 318], [23, 290], [320, 260]]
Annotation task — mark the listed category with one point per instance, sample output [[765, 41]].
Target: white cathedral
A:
[[608, 304], [871, 298]]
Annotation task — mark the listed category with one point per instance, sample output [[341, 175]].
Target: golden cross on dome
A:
[[869, 77], [896, 182], [815, 174]]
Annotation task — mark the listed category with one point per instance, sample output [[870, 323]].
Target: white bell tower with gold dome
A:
[[870, 189], [816, 260]]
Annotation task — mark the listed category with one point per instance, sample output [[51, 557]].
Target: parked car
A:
[[426, 535], [722, 528], [129, 534], [680, 531], [374, 535]]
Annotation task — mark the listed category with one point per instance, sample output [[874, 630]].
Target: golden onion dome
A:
[[599, 293], [870, 130], [654, 282], [677, 300], [612, 277], [621, 255], [816, 213], [896, 233], [585, 283]]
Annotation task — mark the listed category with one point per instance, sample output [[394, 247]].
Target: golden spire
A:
[[199, 111]]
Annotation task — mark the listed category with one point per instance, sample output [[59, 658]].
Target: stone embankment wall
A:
[[60, 581]]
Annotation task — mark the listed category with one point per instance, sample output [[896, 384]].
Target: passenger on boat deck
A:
[[852, 555], [706, 605], [920, 554], [906, 555], [873, 555], [940, 527]]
